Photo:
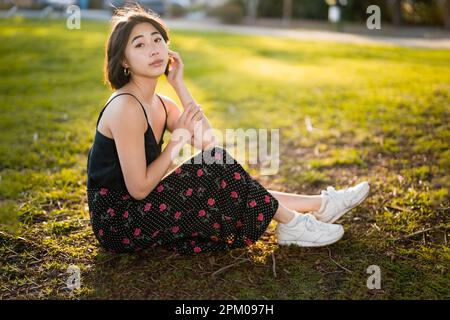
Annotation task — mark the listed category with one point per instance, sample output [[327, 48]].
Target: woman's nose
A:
[[153, 52]]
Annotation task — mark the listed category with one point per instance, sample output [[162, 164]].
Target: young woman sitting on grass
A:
[[200, 206]]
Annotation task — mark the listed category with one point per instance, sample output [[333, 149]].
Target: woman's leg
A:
[[297, 202], [283, 214]]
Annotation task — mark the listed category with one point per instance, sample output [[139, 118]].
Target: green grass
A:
[[381, 114]]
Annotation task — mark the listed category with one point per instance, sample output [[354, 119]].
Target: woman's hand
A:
[[176, 67], [189, 118]]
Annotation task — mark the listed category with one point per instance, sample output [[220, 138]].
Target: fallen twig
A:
[[340, 266], [420, 232], [273, 265], [399, 208], [228, 266]]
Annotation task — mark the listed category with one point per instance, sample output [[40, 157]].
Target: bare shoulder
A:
[[122, 111]]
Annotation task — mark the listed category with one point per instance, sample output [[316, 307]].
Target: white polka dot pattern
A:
[[199, 207]]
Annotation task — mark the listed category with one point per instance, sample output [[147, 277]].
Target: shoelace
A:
[[332, 193], [311, 223]]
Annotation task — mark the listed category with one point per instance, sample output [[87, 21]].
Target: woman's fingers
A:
[[191, 114], [197, 115], [175, 54], [189, 110], [185, 113], [197, 111], [196, 119]]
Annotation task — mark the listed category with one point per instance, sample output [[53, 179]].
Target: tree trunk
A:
[[447, 14], [396, 8], [287, 12], [252, 9]]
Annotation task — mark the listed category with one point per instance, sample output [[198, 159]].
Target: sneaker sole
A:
[[310, 244], [352, 207]]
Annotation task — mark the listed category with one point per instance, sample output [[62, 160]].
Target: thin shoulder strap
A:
[[165, 109], [145, 113]]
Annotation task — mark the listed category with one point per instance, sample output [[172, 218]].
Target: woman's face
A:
[[145, 46]]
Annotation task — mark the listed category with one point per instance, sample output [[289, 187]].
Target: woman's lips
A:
[[157, 63]]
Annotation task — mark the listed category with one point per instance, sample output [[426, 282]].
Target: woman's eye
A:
[[139, 45], [158, 39]]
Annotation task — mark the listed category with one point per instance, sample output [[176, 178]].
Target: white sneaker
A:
[[336, 203], [306, 231]]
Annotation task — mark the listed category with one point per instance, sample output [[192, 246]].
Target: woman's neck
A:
[[144, 89]]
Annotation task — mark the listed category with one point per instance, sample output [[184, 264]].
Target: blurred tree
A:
[[232, 11], [447, 14], [310, 9], [287, 12], [252, 9], [396, 9], [424, 12], [398, 12]]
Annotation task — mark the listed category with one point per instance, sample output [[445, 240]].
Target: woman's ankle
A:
[[286, 216], [292, 221]]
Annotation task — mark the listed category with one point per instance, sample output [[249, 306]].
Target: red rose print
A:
[[101, 232], [111, 212], [227, 218], [197, 249], [201, 213], [126, 241], [239, 224], [160, 188], [199, 172], [125, 214], [216, 225], [267, 199], [260, 217], [248, 242], [223, 184], [155, 234], [147, 206], [175, 229], [211, 201], [194, 234], [237, 175], [137, 232], [189, 191], [252, 203], [125, 197], [214, 238], [103, 191], [177, 215], [192, 243], [234, 194], [178, 170], [162, 207]]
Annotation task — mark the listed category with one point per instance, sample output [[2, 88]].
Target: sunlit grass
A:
[[378, 113]]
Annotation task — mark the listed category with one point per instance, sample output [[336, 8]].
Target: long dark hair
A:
[[122, 22]]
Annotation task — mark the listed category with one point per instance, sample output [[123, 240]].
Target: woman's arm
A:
[[203, 135], [128, 127]]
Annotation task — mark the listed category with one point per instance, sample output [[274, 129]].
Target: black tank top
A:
[[103, 166]]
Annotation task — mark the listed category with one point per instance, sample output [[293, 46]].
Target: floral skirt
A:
[[199, 207]]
